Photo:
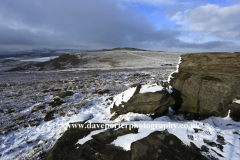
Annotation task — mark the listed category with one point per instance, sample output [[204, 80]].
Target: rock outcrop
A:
[[162, 145], [98, 147], [206, 84], [158, 145], [152, 103]]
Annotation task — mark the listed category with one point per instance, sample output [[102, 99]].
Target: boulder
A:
[[98, 147], [56, 101], [205, 84], [153, 103], [65, 94], [158, 145], [162, 145], [49, 116]]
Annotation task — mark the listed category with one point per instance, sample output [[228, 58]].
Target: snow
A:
[[151, 126], [153, 58], [170, 89], [30, 108], [48, 98], [177, 70], [126, 140], [81, 117], [43, 59], [210, 129], [133, 117], [126, 95], [89, 137], [47, 132], [150, 88], [237, 101], [18, 142], [123, 97], [27, 137]]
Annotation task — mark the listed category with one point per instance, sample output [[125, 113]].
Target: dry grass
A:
[[114, 63]]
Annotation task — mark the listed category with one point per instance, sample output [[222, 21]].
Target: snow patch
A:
[[128, 94], [237, 101], [30, 108], [123, 97], [133, 117], [125, 141], [81, 117], [43, 59], [150, 88], [89, 137]]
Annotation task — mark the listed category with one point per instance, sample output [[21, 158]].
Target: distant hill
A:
[[38, 52], [128, 48]]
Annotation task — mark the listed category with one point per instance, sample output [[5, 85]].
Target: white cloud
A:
[[178, 16], [213, 20]]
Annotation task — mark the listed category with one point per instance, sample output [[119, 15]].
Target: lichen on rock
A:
[[206, 84]]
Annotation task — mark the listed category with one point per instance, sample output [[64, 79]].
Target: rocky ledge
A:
[[206, 84], [154, 104], [158, 145]]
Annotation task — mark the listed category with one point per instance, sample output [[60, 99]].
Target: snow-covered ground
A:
[[32, 142], [43, 59], [94, 92], [121, 59], [22, 92], [127, 59]]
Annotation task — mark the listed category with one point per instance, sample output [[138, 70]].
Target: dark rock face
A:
[[206, 84], [154, 103], [235, 111], [159, 145]]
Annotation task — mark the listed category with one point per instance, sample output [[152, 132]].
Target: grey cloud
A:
[[206, 45], [214, 21], [81, 24], [73, 23], [9, 36]]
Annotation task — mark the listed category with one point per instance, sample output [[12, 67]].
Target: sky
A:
[[161, 25]]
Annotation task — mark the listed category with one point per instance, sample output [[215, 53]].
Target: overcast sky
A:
[[169, 25]]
